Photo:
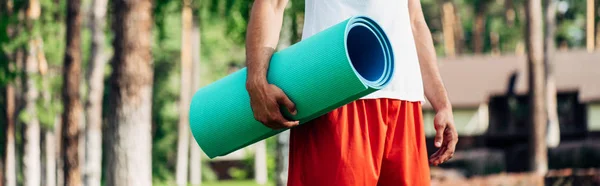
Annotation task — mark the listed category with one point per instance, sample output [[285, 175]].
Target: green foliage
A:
[[237, 173], [237, 16], [24, 117], [208, 175], [166, 54], [10, 40], [51, 28], [272, 157], [235, 183]]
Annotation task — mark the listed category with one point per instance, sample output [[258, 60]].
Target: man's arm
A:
[[265, 23], [446, 136]]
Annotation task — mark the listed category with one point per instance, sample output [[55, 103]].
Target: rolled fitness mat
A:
[[319, 74]]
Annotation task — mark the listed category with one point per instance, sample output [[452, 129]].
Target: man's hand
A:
[[446, 137], [265, 99], [266, 18]]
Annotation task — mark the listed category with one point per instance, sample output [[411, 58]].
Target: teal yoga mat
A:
[[325, 71]]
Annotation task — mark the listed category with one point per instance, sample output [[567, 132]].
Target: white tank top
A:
[[393, 16]]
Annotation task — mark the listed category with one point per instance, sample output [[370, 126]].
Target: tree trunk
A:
[[71, 100], [479, 27], [59, 160], [184, 95], [31, 153], [2, 169], [598, 35], [535, 55], [50, 158], [283, 149], [553, 134], [128, 132], [495, 43], [448, 28], [260, 162], [195, 163], [590, 25], [509, 13], [195, 153], [459, 38], [10, 173], [31, 126], [49, 149], [95, 78]]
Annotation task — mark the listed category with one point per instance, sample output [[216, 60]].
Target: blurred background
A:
[[522, 76]]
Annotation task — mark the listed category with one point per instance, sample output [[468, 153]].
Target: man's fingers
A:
[[286, 102], [439, 135], [284, 123], [290, 124], [448, 153], [435, 159], [437, 153], [450, 146]]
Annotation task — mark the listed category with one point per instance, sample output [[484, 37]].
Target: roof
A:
[[471, 80]]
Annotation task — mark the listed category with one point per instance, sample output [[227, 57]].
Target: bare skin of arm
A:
[[265, 23], [446, 136]]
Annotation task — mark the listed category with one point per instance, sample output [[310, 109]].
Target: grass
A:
[[219, 183], [235, 183]]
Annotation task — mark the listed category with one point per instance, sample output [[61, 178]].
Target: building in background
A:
[[491, 111]]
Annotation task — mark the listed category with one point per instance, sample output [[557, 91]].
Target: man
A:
[[377, 140]]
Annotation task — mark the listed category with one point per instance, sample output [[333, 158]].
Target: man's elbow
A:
[[419, 25]]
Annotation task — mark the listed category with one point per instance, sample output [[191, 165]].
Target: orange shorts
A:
[[367, 142]]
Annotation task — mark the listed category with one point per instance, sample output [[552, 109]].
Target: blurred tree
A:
[[31, 124], [597, 22], [2, 171], [28, 116], [598, 30], [237, 14], [95, 80], [184, 94], [165, 51], [535, 55], [71, 98], [52, 29], [282, 158], [49, 161], [480, 7], [459, 38], [195, 152], [260, 162], [128, 132], [50, 156], [590, 24], [553, 135], [571, 24], [448, 21], [7, 76], [17, 24], [509, 12], [10, 175]]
